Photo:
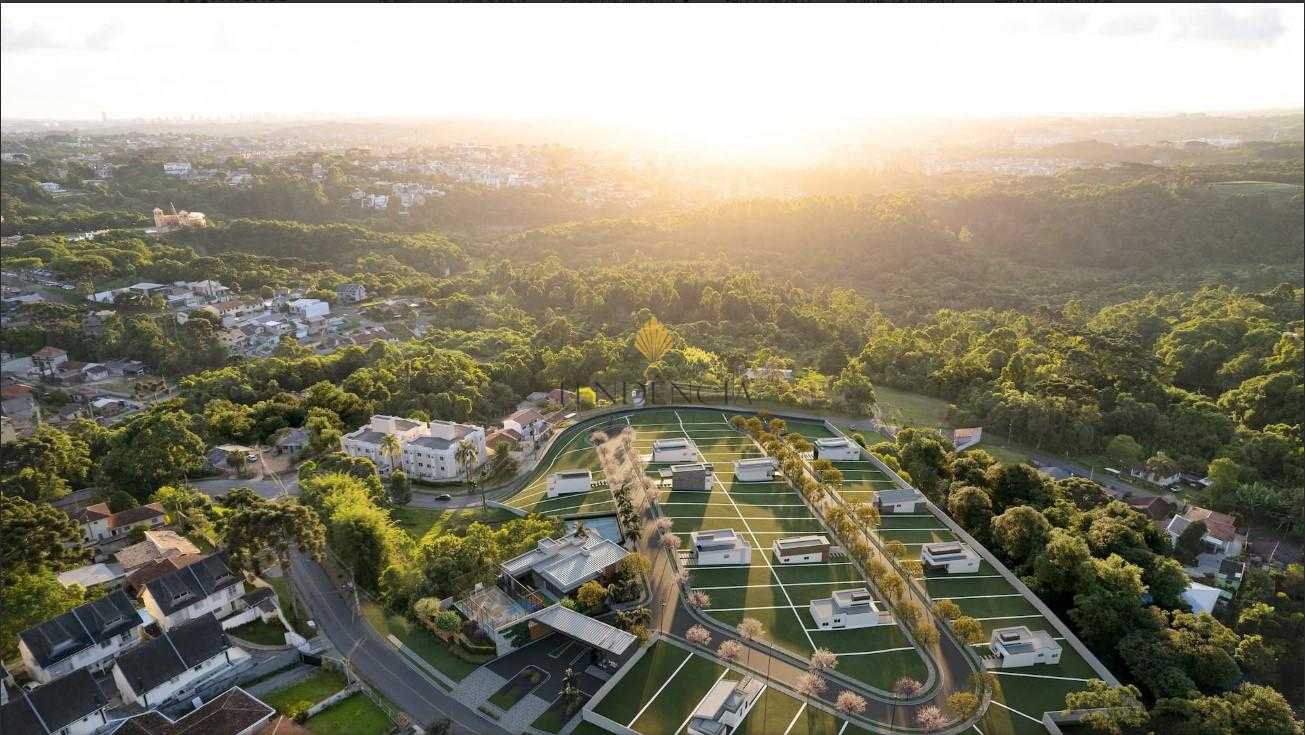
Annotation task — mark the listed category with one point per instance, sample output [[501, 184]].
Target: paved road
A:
[[373, 658], [268, 488]]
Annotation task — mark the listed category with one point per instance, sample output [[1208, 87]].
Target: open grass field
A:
[[356, 715], [417, 522], [659, 694], [317, 686]]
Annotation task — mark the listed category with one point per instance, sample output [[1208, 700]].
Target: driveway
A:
[[268, 488], [374, 659]]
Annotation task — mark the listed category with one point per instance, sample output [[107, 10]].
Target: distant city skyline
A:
[[733, 77]]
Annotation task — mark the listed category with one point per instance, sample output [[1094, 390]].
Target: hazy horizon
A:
[[715, 77]]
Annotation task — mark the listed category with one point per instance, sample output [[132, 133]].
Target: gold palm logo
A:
[[653, 340]]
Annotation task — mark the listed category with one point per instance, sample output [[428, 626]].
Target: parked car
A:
[[443, 497]]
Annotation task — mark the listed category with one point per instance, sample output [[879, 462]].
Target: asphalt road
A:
[[375, 660]]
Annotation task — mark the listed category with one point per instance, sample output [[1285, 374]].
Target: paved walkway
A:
[[477, 687]]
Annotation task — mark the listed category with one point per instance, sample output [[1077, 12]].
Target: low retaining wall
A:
[[336, 698]]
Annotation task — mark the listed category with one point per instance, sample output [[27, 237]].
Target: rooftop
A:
[[724, 538], [584, 628], [833, 441], [671, 443], [50, 708], [899, 496], [1019, 639], [948, 551], [569, 561], [801, 541], [64, 635], [158, 660], [192, 583], [233, 712], [756, 462], [724, 696]]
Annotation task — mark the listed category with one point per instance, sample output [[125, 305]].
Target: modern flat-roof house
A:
[[308, 308], [85, 637], [836, 448], [955, 557], [167, 668], [569, 481], [100, 525], [70, 705], [801, 549], [899, 501], [673, 450], [427, 449], [853, 608], [757, 469], [722, 709], [697, 476], [195, 590], [1220, 528], [720, 547], [233, 712], [1018, 646], [558, 566], [610, 647]]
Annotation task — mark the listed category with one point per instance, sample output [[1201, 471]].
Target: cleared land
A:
[[665, 686]]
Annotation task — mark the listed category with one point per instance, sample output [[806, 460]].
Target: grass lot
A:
[[290, 606], [658, 695], [517, 688], [318, 686], [417, 522], [264, 634], [421, 641], [356, 715]]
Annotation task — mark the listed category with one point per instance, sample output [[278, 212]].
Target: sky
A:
[[733, 74]]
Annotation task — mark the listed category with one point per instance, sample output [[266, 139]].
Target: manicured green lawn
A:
[[680, 697], [421, 641], [318, 686], [417, 522], [772, 714], [641, 681], [356, 715], [264, 634], [517, 688]]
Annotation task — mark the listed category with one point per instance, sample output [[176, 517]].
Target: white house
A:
[[85, 637], [757, 469], [898, 501], [72, 705], [569, 481], [1220, 529], [350, 293], [853, 608], [720, 547], [955, 557], [169, 667], [309, 308], [801, 549], [427, 450], [1018, 646], [677, 449], [100, 525], [836, 448], [176, 168], [722, 709], [1155, 478], [198, 589]]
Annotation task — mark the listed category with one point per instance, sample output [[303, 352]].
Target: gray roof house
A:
[[557, 566], [71, 705], [85, 637]]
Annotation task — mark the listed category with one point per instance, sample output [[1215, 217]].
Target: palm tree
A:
[[466, 457], [391, 449]]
